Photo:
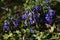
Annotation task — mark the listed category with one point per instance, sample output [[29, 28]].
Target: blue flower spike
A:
[[15, 24], [50, 16], [49, 20], [6, 26], [32, 21], [37, 8], [52, 13], [24, 17]]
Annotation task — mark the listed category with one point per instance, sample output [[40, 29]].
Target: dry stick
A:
[[23, 37]]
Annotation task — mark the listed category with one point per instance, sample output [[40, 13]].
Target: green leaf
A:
[[58, 0], [2, 0], [6, 36], [27, 30]]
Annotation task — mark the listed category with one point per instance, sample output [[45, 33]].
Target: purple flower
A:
[[15, 24], [36, 15], [25, 15], [37, 7], [48, 19], [51, 13], [6, 26], [32, 20], [19, 20], [30, 14], [31, 30]]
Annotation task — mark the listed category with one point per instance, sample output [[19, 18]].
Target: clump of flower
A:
[[6, 26]]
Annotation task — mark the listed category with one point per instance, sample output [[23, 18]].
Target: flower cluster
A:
[[50, 15], [6, 26], [33, 17]]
